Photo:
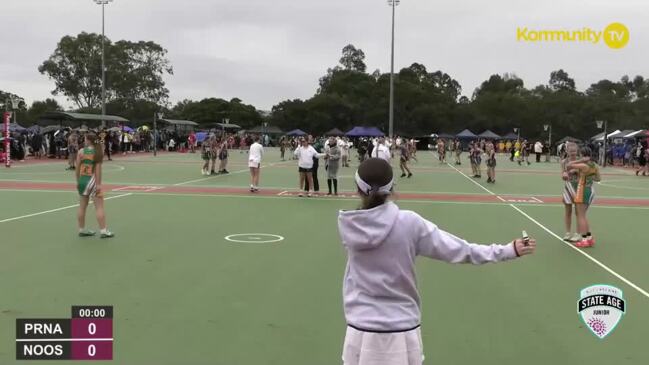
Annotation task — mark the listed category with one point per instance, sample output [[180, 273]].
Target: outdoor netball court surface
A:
[[203, 272]]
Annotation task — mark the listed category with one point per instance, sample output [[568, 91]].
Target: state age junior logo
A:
[[601, 307]]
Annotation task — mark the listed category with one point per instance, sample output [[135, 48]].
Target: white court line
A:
[[112, 197], [341, 197], [232, 173], [621, 186], [56, 210], [290, 187], [537, 199], [67, 207], [582, 252]]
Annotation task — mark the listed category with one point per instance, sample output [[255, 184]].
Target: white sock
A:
[[105, 230]]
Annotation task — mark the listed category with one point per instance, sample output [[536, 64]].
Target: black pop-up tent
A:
[[335, 133], [488, 135], [296, 132], [466, 134]]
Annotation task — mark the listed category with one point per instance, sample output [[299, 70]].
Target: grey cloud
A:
[[267, 51]]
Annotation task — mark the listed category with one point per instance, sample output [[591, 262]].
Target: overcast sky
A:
[[265, 51]]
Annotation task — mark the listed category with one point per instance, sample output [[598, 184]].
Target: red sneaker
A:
[[585, 243]]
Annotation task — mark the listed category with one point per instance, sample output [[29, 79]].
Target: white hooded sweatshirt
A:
[[380, 288]]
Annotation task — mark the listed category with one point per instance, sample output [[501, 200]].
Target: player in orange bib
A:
[[89, 173]]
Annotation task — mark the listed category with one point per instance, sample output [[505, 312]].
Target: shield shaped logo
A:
[[601, 307]]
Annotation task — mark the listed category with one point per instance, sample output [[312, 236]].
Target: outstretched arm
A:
[[438, 244]]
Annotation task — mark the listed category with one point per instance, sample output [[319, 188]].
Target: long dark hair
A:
[[96, 142], [376, 172], [586, 152]]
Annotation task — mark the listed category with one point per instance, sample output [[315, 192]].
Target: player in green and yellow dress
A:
[[89, 173], [588, 174]]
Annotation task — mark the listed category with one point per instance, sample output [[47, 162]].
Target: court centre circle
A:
[[254, 238]]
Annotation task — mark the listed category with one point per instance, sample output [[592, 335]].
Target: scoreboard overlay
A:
[[87, 335]]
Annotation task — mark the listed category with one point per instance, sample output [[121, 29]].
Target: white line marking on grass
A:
[[232, 173], [56, 210], [62, 171], [600, 264], [145, 188], [254, 238], [347, 198], [621, 186], [582, 252]]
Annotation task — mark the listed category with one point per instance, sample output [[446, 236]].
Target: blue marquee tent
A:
[[365, 132]]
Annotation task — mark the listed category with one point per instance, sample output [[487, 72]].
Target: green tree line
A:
[[347, 95]]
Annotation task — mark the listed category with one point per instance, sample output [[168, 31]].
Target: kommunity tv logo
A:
[[614, 35]]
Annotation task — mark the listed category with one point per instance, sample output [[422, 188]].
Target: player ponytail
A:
[[374, 180], [97, 144]]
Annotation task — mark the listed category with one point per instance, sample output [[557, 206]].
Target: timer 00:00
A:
[[92, 313]]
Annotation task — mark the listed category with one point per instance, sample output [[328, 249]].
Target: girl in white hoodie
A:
[[380, 297]]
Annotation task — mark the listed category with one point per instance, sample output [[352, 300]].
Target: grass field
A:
[[184, 295]]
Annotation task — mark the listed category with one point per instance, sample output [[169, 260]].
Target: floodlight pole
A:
[[393, 4], [604, 145], [103, 59]]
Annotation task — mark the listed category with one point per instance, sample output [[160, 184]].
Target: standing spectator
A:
[[491, 162], [643, 159], [345, 144], [223, 157], [124, 141], [538, 150], [136, 142], [73, 149], [37, 145], [403, 160], [475, 154], [255, 154], [205, 156], [282, 148], [381, 150], [305, 154], [191, 140], [441, 151], [214, 152], [316, 164], [333, 164]]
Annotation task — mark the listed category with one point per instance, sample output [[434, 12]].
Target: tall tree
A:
[[38, 108], [560, 81], [353, 59], [135, 70]]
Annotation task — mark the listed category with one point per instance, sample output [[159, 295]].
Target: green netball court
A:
[[184, 294]]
